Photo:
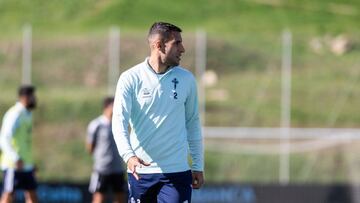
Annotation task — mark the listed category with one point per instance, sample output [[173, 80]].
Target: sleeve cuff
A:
[[127, 156], [15, 158], [197, 168]]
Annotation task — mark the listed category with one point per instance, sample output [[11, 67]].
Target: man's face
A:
[[109, 109], [173, 50]]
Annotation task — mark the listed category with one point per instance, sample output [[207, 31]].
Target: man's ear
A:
[[157, 44], [160, 45]]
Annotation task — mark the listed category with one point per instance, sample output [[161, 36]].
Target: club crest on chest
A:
[[145, 93]]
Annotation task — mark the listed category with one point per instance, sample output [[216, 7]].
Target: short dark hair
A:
[[108, 101], [26, 90], [163, 29]]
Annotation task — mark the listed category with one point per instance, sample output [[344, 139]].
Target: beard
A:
[[172, 62], [31, 105]]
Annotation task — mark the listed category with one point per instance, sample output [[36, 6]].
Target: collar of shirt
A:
[[104, 120], [159, 76], [21, 107]]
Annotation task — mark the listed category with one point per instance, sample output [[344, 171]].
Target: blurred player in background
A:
[[158, 98], [108, 171], [16, 144]]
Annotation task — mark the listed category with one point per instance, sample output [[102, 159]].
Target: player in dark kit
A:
[[108, 171]]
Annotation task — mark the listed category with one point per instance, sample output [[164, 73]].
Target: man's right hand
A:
[[134, 162], [19, 165]]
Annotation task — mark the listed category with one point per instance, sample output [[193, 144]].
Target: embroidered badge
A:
[[145, 93]]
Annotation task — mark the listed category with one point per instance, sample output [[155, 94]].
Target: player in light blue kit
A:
[[158, 99]]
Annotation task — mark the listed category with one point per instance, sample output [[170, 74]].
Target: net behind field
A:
[[257, 160]]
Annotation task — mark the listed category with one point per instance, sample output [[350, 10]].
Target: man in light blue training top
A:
[[108, 171], [158, 99], [16, 140]]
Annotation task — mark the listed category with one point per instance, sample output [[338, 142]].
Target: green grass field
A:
[[244, 49]]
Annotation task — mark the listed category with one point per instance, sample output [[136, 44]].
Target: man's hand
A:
[[197, 179], [19, 165], [134, 162]]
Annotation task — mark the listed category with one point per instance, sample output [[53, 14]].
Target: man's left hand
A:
[[197, 179]]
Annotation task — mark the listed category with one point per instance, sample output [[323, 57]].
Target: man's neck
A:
[[23, 103], [156, 65], [107, 116]]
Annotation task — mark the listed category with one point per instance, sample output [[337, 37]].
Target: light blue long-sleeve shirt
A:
[[162, 111]]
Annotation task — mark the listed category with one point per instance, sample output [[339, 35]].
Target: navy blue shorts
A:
[[13, 180], [160, 188]]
